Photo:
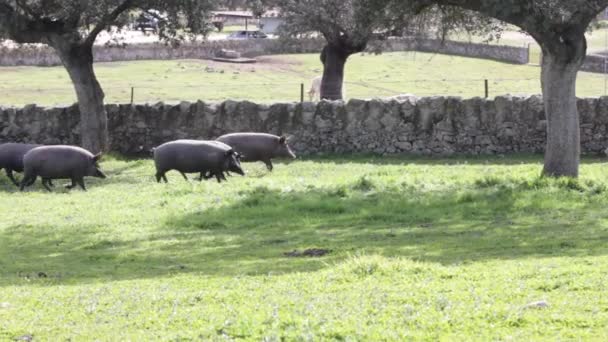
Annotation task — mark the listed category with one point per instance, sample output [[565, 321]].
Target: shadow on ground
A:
[[252, 235]]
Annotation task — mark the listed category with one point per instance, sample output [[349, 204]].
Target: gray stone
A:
[[45, 56], [438, 125], [404, 145]]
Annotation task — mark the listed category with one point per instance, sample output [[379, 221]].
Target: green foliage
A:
[[423, 249], [35, 21], [352, 20]]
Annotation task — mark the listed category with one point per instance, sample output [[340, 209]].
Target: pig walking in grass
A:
[[60, 162], [196, 156], [258, 146], [11, 158]]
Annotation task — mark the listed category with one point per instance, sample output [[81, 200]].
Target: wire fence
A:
[[294, 91]]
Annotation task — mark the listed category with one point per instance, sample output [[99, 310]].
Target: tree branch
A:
[[513, 15], [588, 11], [534, 18], [20, 28], [106, 20], [27, 9]]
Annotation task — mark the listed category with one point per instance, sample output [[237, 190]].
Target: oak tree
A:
[[70, 27], [559, 27]]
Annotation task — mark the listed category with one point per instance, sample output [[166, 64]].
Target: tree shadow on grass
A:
[[251, 236]]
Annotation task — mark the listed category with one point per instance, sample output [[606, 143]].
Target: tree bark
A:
[[78, 61], [558, 79], [333, 58]]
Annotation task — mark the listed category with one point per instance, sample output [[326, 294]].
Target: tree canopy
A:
[[70, 27], [37, 21]]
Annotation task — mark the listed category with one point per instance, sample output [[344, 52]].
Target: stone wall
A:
[[433, 126], [595, 63], [37, 55], [503, 53]]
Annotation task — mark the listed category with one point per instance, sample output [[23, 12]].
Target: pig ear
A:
[[97, 157], [229, 152], [282, 139]]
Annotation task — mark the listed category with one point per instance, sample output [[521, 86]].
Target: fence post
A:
[[132, 94], [301, 92], [605, 76], [487, 90]]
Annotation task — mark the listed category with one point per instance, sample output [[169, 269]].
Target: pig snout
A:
[[288, 153], [235, 166], [238, 170], [291, 154], [99, 174]]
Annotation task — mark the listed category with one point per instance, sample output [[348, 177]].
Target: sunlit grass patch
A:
[[413, 248]]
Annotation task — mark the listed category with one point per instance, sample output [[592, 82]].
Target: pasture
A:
[[419, 248], [278, 78], [597, 41]]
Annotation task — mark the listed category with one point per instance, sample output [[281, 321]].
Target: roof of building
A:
[[233, 14], [273, 13]]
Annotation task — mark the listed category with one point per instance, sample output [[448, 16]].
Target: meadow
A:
[[597, 40], [278, 78], [462, 248]]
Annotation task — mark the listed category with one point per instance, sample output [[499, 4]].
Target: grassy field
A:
[[423, 249], [597, 41], [278, 78]]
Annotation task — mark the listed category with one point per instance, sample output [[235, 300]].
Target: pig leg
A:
[[31, 181], [159, 176], [205, 175], [9, 174], [45, 184], [71, 185], [28, 179], [81, 183], [184, 175], [219, 177], [268, 164]]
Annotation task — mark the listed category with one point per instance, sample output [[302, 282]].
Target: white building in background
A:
[[270, 21], [233, 17]]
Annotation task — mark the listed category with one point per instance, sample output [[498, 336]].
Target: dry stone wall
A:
[[595, 63], [36, 55], [431, 126]]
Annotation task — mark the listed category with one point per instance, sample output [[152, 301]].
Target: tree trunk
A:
[[78, 61], [333, 58], [558, 78]]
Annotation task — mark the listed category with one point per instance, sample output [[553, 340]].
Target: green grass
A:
[[423, 249], [278, 78]]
